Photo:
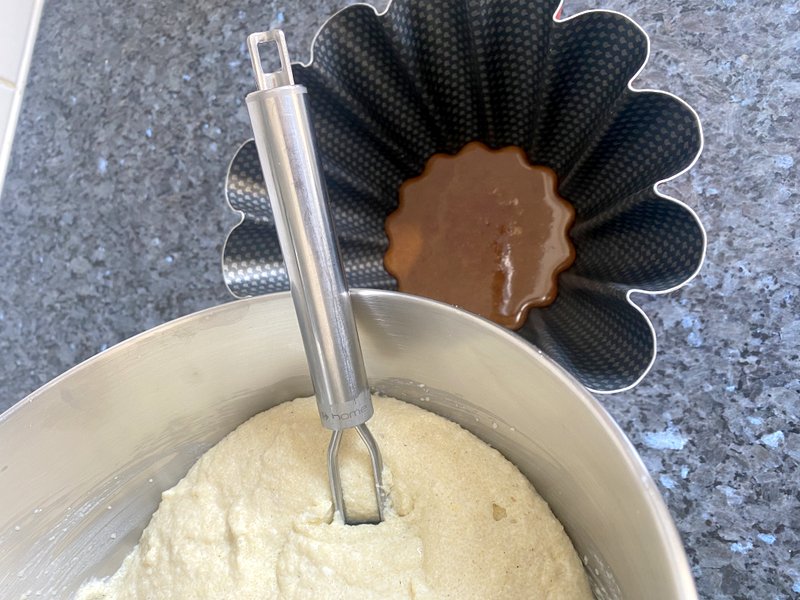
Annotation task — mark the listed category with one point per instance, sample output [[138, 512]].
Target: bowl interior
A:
[[83, 461]]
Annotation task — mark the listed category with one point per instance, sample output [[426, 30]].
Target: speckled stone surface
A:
[[112, 219]]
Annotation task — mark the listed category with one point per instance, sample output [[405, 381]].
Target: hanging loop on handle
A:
[[282, 77]]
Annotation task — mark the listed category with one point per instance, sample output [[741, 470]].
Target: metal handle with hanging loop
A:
[[287, 151]]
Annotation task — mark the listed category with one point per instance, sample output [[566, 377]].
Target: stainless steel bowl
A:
[[83, 460]]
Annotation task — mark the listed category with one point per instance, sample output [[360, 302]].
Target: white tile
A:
[[19, 22], [8, 98], [16, 17]]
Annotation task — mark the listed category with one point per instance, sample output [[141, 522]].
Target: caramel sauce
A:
[[484, 230]]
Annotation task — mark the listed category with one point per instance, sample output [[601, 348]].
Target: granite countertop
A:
[[112, 220]]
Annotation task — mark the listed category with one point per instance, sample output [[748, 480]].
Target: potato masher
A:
[[287, 152]]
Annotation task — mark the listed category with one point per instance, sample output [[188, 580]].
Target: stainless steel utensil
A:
[[287, 152]]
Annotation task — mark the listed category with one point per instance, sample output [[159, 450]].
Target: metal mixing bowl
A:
[[83, 460]]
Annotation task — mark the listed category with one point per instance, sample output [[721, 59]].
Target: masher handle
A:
[[287, 152]]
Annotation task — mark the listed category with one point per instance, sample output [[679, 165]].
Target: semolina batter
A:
[[253, 519]]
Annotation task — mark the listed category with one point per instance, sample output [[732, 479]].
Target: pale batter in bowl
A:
[[253, 519]]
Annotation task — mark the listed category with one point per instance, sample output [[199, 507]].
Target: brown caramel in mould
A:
[[482, 229]]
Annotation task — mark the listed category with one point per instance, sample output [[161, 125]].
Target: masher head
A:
[[335, 479]]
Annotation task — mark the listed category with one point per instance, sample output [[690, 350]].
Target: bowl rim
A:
[[659, 513], [668, 531]]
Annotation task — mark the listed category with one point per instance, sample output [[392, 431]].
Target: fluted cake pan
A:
[[388, 90]]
